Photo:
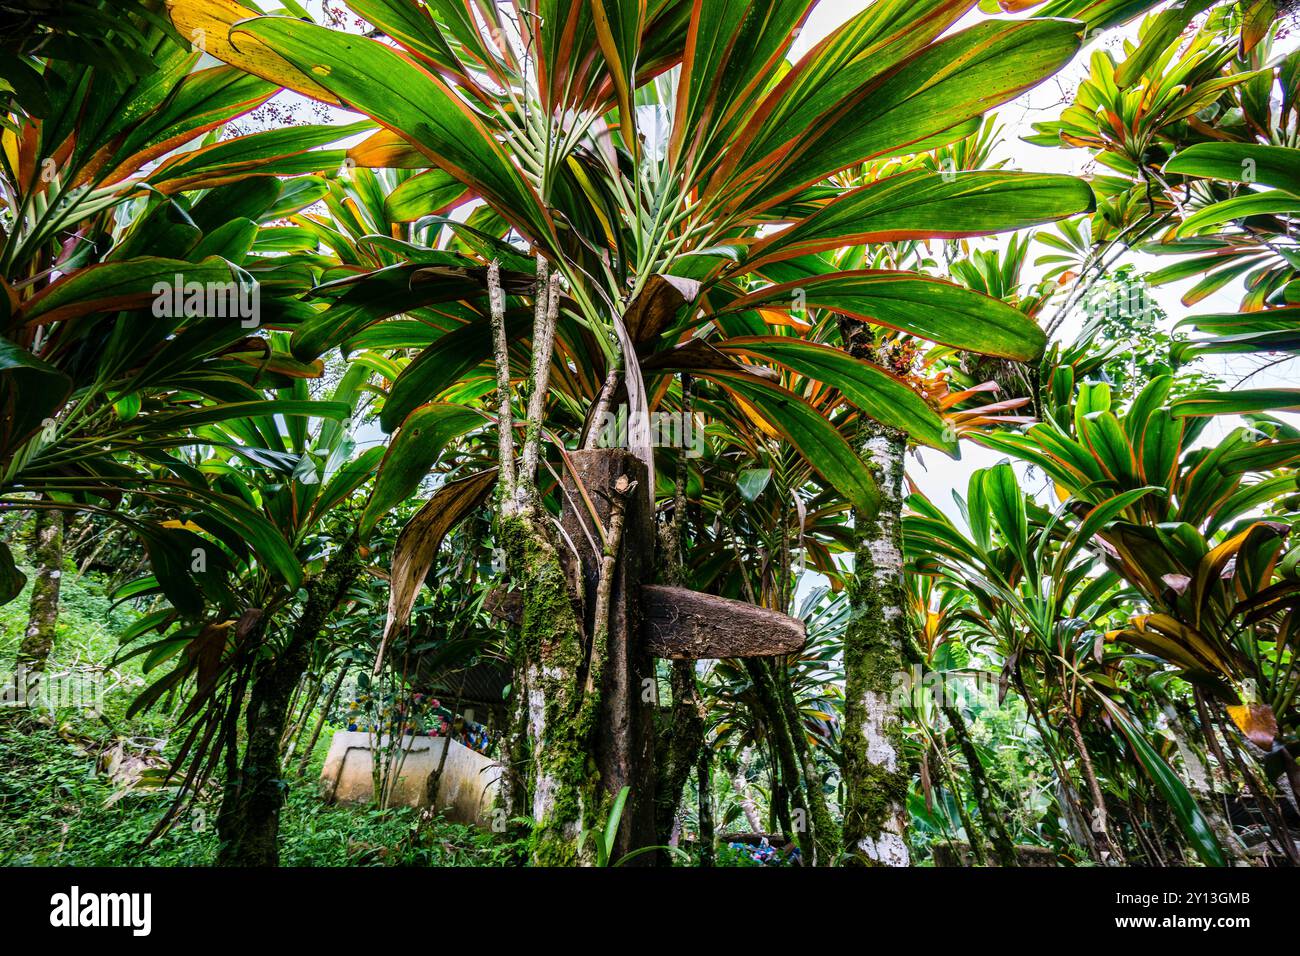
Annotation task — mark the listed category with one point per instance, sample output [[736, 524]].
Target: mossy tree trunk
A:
[[584, 693], [798, 823], [809, 816], [875, 775], [875, 644], [43, 614], [550, 756], [582, 721], [826, 832], [704, 797], [679, 740], [249, 821]]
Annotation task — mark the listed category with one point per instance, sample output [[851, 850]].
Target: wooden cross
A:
[[646, 622], [675, 623]]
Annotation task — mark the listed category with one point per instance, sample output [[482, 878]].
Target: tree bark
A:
[[249, 821], [741, 786], [678, 743], [876, 778], [704, 790], [1108, 852], [43, 616], [584, 719]]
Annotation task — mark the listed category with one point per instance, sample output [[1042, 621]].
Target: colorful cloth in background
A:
[[420, 715]]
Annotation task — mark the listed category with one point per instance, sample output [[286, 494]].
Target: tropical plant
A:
[[640, 195], [1189, 539]]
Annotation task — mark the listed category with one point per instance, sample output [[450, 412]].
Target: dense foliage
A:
[[560, 308]]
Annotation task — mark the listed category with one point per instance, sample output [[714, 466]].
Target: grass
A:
[[57, 810]]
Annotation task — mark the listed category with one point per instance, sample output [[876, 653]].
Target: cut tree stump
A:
[[680, 624], [624, 749]]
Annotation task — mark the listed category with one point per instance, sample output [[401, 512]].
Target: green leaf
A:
[[1275, 166], [417, 446], [430, 193], [1239, 207], [378, 81], [612, 824], [31, 392], [929, 308], [879, 394], [12, 581], [1186, 812], [938, 88], [924, 205], [811, 434], [349, 478], [1007, 505], [266, 153], [751, 482], [443, 364], [210, 415], [113, 286], [1101, 515], [1238, 402]]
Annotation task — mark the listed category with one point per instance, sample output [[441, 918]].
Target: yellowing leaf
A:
[[184, 525], [207, 23], [385, 149], [1257, 722], [753, 415]]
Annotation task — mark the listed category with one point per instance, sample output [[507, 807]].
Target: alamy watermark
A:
[[667, 430], [211, 300], [911, 687], [76, 689]]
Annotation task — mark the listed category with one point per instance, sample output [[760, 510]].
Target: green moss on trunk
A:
[[43, 615], [876, 777], [560, 780]]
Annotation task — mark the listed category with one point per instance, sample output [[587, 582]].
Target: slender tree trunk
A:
[[300, 712], [741, 786], [974, 839], [43, 616], [875, 776], [704, 791], [1076, 820], [678, 743], [779, 732], [991, 814], [305, 759], [249, 821], [1107, 850], [826, 833]]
